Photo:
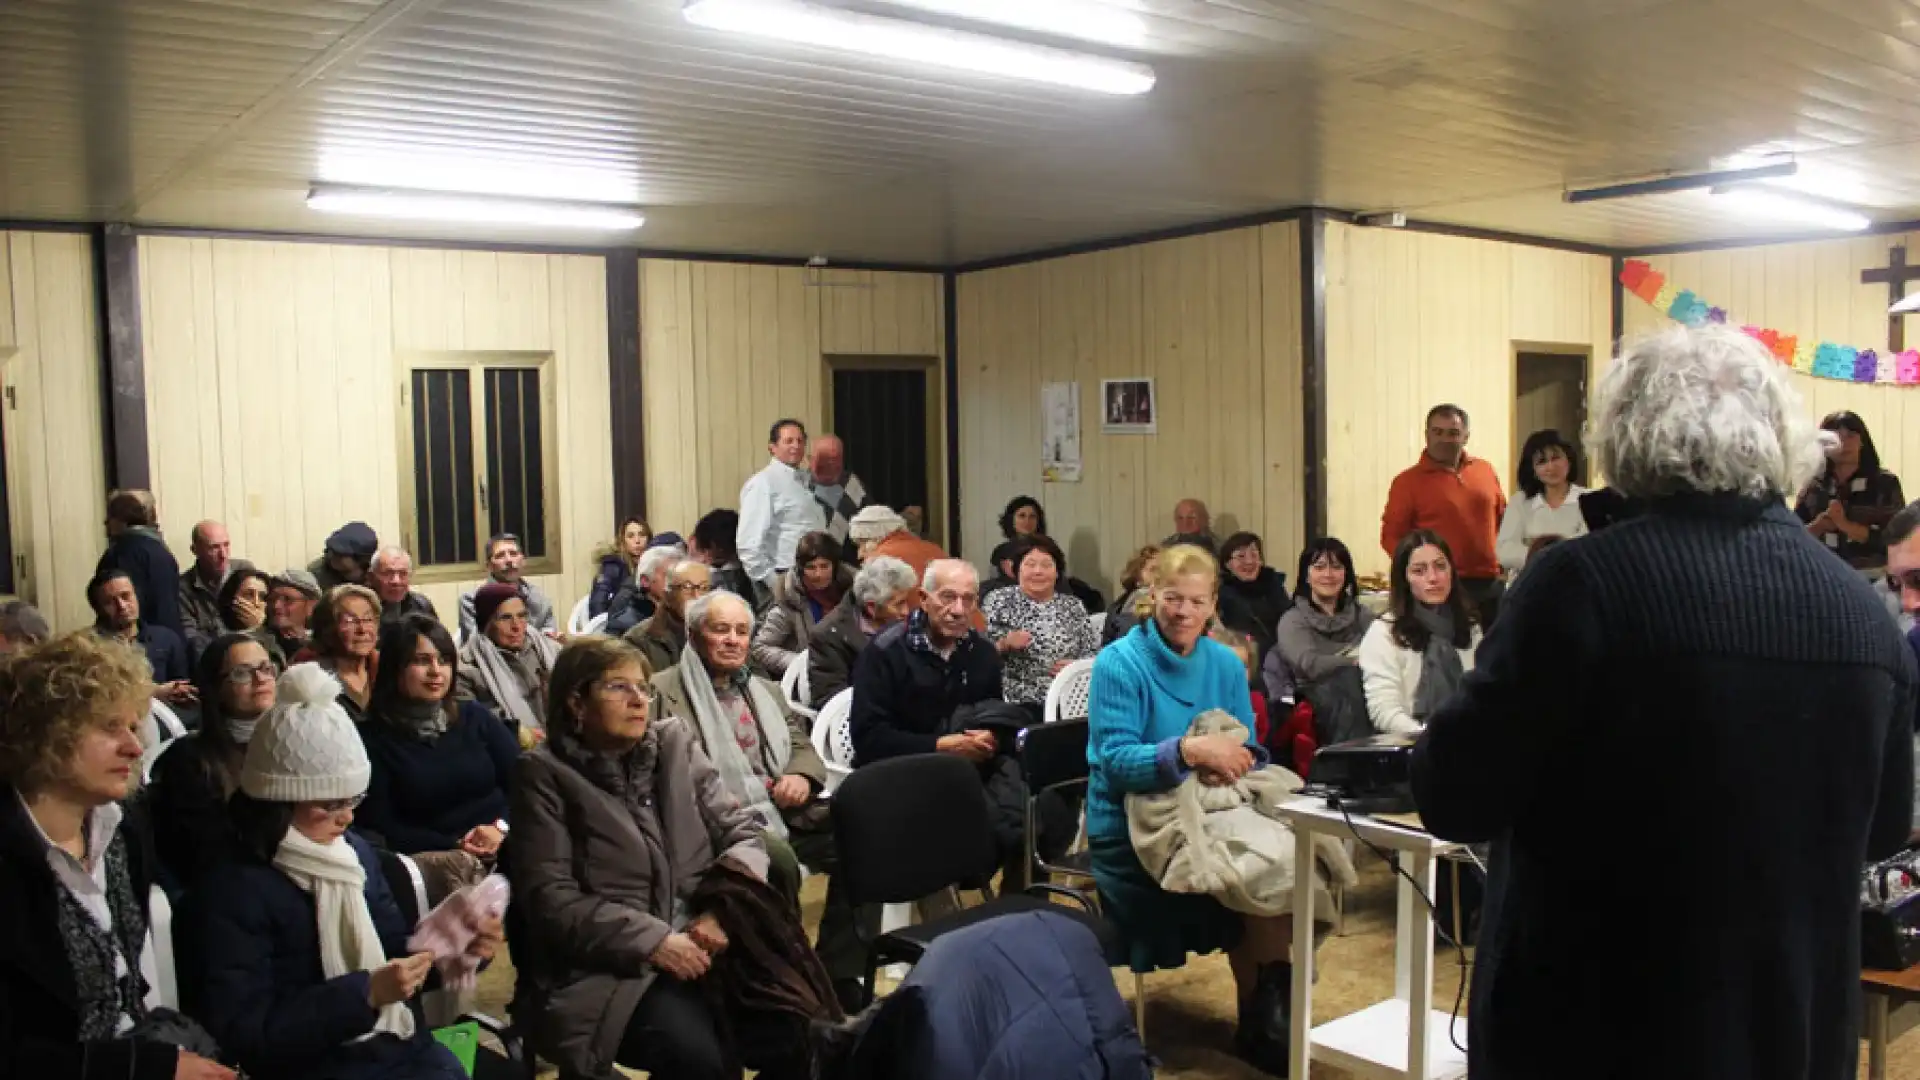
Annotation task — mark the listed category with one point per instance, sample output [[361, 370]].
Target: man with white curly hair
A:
[[1684, 736]]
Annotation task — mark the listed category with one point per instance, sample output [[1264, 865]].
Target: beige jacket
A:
[[594, 901], [1229, 842]]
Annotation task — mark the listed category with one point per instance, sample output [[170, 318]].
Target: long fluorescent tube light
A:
[[1906, 307], [1666, 185], [414, 204], [1064, 18], [900, 39], [1780, 206]]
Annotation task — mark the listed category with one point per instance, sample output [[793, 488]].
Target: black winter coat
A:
[[1686, 734], [904, 695], [266, 997], [39, 1008], [614, 572], [155, 574], [836, 643]]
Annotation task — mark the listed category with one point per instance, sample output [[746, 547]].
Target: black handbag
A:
[[1890, 913]]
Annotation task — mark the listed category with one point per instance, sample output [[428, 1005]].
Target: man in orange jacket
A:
[[1457, 496]]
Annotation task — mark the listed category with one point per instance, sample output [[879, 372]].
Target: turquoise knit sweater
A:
[[1143, 699]]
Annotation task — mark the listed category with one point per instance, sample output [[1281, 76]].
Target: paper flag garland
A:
[[1825, 359]]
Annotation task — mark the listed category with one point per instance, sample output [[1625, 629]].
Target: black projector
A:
[[1365, 776]]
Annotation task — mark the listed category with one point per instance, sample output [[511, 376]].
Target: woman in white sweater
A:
[[1548, 509], [1414, 656]]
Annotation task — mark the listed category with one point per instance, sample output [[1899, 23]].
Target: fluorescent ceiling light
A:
[[900, 39], [468, 208], [381, 164], [1906, 307], [1667, 185], [1778, 206], [1065, 18]]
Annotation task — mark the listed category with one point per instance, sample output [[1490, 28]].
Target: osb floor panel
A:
[[1190, 1011]]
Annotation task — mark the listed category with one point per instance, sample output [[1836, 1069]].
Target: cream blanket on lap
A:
[[1230, 842]]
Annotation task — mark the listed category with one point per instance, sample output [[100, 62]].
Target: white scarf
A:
[[716, 731], [333, 876]]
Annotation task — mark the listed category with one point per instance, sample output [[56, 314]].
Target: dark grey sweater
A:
[[1687, 733]]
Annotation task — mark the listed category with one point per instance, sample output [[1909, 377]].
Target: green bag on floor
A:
[[463, 1040]]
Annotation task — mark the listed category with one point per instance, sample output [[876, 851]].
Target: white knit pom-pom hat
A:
[[306, 748]]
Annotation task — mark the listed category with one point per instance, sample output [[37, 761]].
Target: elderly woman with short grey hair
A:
[[884, 592], [764, 756], [1711, 651]]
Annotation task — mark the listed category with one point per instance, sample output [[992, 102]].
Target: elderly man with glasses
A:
[[662, 638]]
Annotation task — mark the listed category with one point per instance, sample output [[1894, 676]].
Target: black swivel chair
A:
[[910, 827]]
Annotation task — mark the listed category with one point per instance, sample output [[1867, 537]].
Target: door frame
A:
[[1550, 348], [935, 523]]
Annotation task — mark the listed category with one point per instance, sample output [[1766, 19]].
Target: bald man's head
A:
[[1190, 518], [829, 459]]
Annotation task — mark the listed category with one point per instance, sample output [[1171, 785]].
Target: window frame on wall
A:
[[484, 486]]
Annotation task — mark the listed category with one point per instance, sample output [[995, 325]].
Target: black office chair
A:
[[910, 827], [1053, 757]]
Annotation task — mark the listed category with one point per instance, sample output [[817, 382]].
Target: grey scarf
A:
[[94, 952], [425, 720], [516, 681], [1440, 667], [1337, 626]]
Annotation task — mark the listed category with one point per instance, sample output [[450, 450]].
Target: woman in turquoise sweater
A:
[[1147, 688]]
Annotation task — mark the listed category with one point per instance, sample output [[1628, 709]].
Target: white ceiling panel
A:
[[1477, 112]]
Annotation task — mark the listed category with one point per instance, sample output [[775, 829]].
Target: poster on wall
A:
[[1127, 407], [1060, 445]]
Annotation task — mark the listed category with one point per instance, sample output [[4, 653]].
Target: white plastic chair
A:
[[1067, 694], [793, 686], [577, 622], [160, 925], [157, 732], [833, 739], [597, 624], [1097, 620]]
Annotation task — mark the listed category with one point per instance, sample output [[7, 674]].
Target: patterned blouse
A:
[[1871, 500], [1060, 632]]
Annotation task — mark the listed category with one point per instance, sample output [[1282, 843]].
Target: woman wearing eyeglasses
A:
[[306, 970], [441, 769], [200, 771], [346, 630], [621, 828]]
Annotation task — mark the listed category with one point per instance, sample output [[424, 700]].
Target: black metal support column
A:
[[623, 383], [123, 359], [1313, 367]]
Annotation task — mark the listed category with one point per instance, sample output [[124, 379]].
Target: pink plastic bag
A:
[[449, 929]]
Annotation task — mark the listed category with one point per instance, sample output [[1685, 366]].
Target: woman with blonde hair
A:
[[346, 636], [78, 978], [1147, 689]]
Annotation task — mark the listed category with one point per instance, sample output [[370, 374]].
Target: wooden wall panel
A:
[[272, 383], [1811, 290], [1213, 319], [55, 465], [727, 348], [1415, 319]]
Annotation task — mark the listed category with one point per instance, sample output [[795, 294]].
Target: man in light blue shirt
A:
[[776, 509]]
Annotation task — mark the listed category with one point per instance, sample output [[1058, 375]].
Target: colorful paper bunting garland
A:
[[1825, 359]]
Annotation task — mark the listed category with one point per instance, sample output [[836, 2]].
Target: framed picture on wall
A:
[[1127, 407]]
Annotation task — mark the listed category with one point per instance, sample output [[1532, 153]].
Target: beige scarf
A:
[[333, 876]]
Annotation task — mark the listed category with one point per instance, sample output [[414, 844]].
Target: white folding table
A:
[[1403, 1036]]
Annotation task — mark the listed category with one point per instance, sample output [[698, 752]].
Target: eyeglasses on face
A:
[[626, 691], [242, 674], [341, 806], [698, 588], [355, 622]]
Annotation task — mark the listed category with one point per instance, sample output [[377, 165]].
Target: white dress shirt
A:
[[776, 510], [1530, 518], [87, 882]]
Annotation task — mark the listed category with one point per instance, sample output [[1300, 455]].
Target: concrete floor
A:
[[1190, 1012]]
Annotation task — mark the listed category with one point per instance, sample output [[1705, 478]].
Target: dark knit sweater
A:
[[1686, 733], [425, 796]]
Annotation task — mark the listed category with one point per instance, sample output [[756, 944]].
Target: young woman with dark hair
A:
[[1849, 503], [1322, 631], [1547, 510], [1023, 517], [196, 776], [1414, 656], [442, 769]]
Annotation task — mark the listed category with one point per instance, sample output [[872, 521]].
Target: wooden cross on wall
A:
[[1894, 276]]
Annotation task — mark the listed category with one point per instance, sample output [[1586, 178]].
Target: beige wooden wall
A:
[[1415, 319], [1213, 319], [50, 357], [726, 349], [272, 390], [1811, 290]]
